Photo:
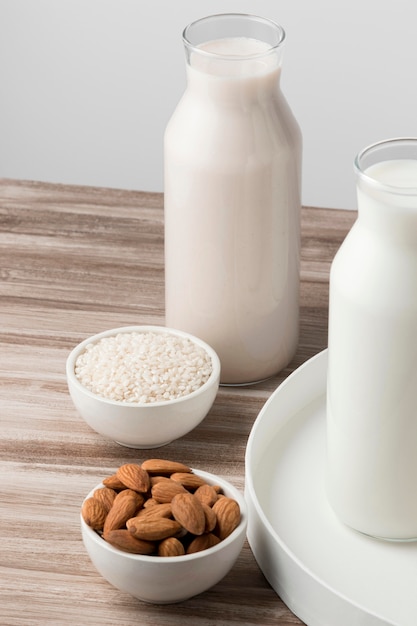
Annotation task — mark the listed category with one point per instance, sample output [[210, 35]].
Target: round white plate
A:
[[326, 573]]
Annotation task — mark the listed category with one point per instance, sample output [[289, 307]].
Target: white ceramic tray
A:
[[327, 574]]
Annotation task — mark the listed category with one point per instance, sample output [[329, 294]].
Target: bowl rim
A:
[[78, 349], [212, 479]]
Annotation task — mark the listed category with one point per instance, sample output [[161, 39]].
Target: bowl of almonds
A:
[[162, 531]]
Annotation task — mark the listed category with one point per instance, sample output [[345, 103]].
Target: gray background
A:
[[87, 86]]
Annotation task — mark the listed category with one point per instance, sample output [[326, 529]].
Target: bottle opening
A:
[[390, 165], [264, 34]]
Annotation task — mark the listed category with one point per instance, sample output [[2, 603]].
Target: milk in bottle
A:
[[232, 199], [372, 371]]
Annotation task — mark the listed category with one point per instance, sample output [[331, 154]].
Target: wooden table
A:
[[75, 261]]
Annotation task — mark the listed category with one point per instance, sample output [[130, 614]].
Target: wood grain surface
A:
[[75, 261]]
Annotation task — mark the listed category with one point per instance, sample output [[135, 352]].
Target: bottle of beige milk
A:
[[232, 199]]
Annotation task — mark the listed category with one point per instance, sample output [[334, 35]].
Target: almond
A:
[[158, 479], [165, 491], [125, 506], [113, 483], [188, 480], [203, 542], [134, 477], [131, 493], [163, 466], [211, 518], [189, 512], [94, 513], [227, 512], [106, 496], [158, 510], [170, 547], [154, 529], [206, 494], [149, 503], [124, 540]]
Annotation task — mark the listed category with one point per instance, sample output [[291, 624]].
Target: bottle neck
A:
[[390, 214], [234, 68], [242, 89]]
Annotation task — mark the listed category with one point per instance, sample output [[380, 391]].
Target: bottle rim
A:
[[245, 18], [388, 149]]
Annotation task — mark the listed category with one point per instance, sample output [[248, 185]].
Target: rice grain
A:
[[143, 367]]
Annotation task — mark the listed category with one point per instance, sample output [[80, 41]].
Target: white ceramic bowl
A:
[[165, 580], [143, 425]]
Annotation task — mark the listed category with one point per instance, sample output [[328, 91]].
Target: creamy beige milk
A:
[[372, 372], [232, 203]]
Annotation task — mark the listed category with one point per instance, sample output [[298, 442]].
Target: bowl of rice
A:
[[143, 386]]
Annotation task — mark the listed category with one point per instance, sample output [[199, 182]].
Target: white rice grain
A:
[[143, 367]]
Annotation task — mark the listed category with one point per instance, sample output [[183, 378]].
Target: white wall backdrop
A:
[[87, 86]]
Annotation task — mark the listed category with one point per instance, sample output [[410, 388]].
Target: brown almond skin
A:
[[227, 512], [188, 480], [211, 518], [166, 490], [124, 540], [114, 483], [158, 479], [189, 512], [203, 542], [164, 467], [149, 503], [124, 507], [94, 513], [171, 547], [106, 496], [157, 510], [206, 494], [131, 493], [154, 529], [134, 477]]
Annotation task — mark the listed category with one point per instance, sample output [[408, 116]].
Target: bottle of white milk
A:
[[232, 199], [372, 369]]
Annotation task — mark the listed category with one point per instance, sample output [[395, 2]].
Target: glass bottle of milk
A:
[[232, 171], [372, 368]]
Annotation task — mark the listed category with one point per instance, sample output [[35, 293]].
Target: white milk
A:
[[372, 372], [398, 173], [232, 210]]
